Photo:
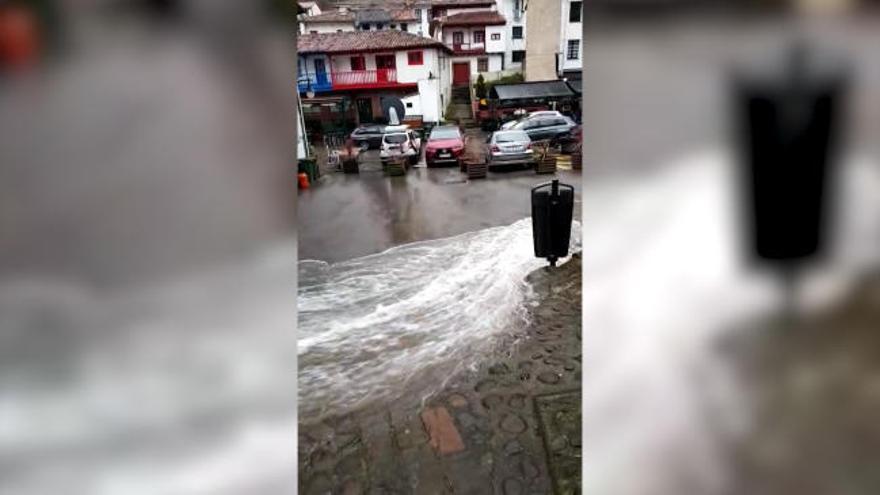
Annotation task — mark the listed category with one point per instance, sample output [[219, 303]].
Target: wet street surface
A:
[[509, 424], [345, 216]]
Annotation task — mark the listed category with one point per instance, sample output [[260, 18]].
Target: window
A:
[[409, 104], [415, 58], [403, 27], [479, 36], [365, 27], [496, 36], [379, 27], [358, 63], [313, 32], [517, 32], [483, 65], [517, 56], [573, 49], [338, 30], [457, 38], [419, 14], [393, 26], [574, 15]]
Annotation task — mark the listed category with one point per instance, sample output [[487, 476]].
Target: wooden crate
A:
[[477, 170], [396, 166], [545, 159], [576, 160], [350, 166]]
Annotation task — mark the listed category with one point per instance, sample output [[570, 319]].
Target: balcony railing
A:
[[314, 82], [468, 48], [358, 79], [364, 78]]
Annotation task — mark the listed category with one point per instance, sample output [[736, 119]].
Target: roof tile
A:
[[484, 18], [356, 41]]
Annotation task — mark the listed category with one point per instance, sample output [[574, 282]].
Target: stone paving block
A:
[[442, 431], [559, 416]]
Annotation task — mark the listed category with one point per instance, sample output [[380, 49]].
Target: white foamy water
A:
[[663, 283], [371, 326]]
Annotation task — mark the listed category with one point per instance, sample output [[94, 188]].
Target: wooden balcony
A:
[[363, 79], [358, 79], [469, 48]]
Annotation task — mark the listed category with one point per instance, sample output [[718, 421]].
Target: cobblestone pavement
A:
[[510, 427], [813, 382]]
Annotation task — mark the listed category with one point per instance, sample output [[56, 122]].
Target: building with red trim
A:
[[486, 36], [364, 67]]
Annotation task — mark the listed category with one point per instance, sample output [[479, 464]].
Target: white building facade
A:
[[368, 66], [571, 49]]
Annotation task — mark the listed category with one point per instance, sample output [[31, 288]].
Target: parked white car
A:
[[400, 140]]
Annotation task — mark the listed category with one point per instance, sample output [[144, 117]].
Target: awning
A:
[[323, 100], [531, 90]]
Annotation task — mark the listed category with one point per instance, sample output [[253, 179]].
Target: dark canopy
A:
[[531, 90]]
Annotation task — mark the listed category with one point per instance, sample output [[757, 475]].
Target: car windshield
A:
[[395, 138], [511, 137], [447, 133]]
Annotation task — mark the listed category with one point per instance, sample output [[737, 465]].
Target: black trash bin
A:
[[787, 121], [552, 208]]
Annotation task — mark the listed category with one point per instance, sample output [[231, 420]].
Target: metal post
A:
[[554, 201]]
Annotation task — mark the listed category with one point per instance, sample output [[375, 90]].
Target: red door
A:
[[461, 74], [385, 65]]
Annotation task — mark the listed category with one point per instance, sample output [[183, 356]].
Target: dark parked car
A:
[[368, 136], [545, 127], [445, 145]]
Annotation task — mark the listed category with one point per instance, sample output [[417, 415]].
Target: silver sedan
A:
[[512, 147]]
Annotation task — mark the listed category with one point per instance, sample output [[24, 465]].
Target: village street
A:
[[347, 216]]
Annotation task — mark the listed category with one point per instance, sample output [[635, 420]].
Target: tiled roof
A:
[[461, 3], [484, 18], [363, 41], [330, 17]]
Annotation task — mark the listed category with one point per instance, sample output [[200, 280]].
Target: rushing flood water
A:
[[373, 326]]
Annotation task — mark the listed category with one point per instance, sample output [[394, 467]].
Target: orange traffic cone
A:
[[303, 180]]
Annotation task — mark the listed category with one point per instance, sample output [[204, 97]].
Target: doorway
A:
[[385, 65], [364, 110], [320, 72], [461, 73]]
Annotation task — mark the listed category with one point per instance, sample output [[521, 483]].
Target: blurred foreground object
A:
[[789, 127], [19, 36]]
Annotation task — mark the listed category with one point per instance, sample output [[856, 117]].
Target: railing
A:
[[314, 82], [469, 47], [364, 78], [378, 78]]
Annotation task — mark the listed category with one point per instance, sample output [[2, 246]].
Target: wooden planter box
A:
[[350, 166], [477, 170], [396, 166], [545, 159]]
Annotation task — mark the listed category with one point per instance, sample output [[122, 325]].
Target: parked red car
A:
[[445, 146]]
